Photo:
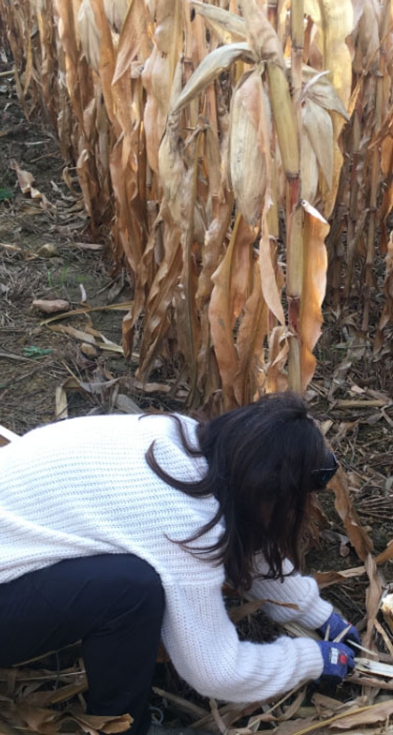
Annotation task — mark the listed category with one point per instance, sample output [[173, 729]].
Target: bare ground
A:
[[46, 253]]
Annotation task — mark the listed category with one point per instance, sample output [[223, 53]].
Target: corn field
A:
[[241, 155]]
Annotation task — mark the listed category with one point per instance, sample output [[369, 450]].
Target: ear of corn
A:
[[284, 119], [309, 170], [210, 137], [249, 140], [318, 125]]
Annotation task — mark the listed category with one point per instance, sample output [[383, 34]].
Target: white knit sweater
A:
[[83, 487]]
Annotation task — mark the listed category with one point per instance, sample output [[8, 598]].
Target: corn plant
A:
[[226, 143]]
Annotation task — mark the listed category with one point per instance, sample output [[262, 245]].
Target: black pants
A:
[[114, 603]]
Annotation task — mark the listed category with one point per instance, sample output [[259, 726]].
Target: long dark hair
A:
[[263, 461]]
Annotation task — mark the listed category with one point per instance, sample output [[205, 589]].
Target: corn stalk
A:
[[210, 136]]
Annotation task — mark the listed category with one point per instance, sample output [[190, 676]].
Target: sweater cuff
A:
[[311, 657], [317, 615]]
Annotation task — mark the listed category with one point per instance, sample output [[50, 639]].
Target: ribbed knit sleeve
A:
[[206, 651], [311, 610]]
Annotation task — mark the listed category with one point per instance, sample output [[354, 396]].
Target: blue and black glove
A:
[[338, 661], [336, 625]]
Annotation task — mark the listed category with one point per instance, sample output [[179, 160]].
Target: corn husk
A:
[[249, 140]]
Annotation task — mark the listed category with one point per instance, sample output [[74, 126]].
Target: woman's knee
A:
[[136, 584]]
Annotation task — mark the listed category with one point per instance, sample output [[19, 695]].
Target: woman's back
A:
[[83, 486]]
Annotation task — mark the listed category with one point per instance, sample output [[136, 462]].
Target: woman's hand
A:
[[338, 661], [335, 625]]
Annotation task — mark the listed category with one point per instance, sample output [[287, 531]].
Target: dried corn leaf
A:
[[325, 579], [250, 340], [88, 34], [319, 89], [276, 375], [20, 715], [197, 44], [210, 68], [156, 80], [106, 64], [227, 25], [172, 169], [242, 260], [366, 37], [116, 11], [168, 18], [70, 43], [188, 323], [261, 35], [25, 178], [335, 21], [379, 712], [25, 181], [314, 287], [107, 725], [358, 536], [373, 599], [213, 249], [215, 239], [221, 325], [134, 38], [271, 275], [129, 229], [61, 694], [86, 181], [161, 294], [374, 667], [104, 344], [319, 127], [354, 716], [47, 56]]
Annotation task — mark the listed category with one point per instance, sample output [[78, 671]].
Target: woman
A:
[[120, 529]]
